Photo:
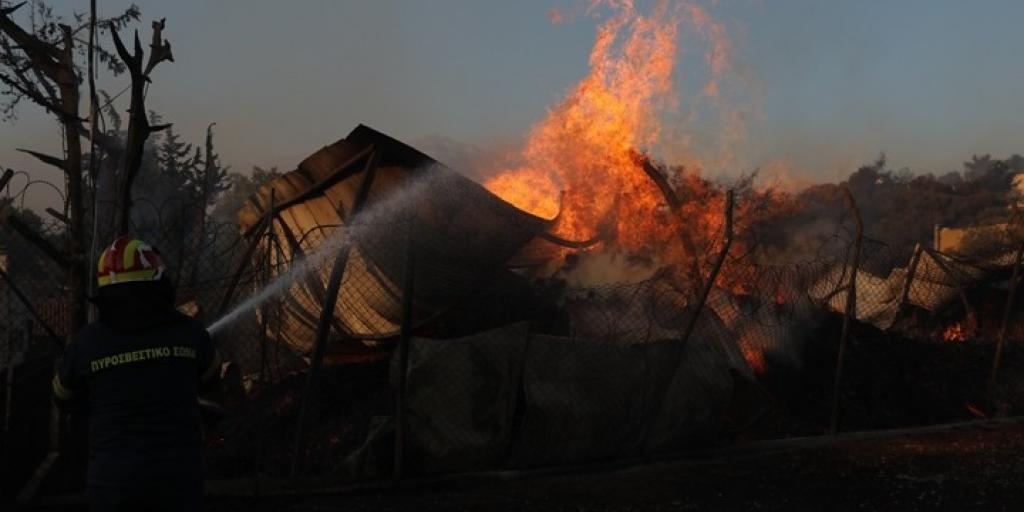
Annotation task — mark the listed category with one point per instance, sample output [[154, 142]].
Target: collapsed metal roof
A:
[[463, 235], [930, 281]]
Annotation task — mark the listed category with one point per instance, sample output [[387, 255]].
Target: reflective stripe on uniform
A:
[[149, 274], [60, 391], [145, 354], [128, 254]]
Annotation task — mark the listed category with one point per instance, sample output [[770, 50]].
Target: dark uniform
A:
[[139, 378]]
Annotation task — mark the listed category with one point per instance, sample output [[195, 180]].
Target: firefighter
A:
[[137, 373]]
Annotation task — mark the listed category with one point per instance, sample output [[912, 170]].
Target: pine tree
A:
[[178, 163]]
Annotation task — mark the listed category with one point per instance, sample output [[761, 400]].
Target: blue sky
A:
[[838, 82]]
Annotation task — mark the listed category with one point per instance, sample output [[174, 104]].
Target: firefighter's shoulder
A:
[[193, 327]]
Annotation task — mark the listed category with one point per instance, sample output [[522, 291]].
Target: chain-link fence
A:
[[384, 348], [34, 323]]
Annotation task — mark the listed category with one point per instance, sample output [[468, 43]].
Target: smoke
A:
[[479, 162], [392, 209], [606, 267]]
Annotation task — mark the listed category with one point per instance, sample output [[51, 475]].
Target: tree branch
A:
[[59, 163], [674, 203], [45, 56], [59, 216], [159, 50]]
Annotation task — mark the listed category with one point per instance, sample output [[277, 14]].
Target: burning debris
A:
[[585, 284], [581, 167]]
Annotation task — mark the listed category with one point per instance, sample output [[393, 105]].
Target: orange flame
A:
[[580, 163], [962, 330], [955, 333], [752, 350], [754, 358]]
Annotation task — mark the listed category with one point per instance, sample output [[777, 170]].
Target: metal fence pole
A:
[[654, 398], [911, 274], [710, 282], [323, 329], [850, 310], [1004, 324], [8, 396], [267, 275], [264, 313], [323, 326], [408, 293]]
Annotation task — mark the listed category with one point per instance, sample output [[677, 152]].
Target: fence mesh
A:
[[519, 373]]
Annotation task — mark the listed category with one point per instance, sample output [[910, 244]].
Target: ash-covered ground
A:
[[974, 466]]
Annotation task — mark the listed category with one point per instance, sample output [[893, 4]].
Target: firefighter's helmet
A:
[[128, 260]]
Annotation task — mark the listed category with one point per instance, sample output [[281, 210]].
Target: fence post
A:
[[408, 291], [323, 329], [264, 324], [911, 273], [710, 282], [1004, 324], [850, 309], [663, 369], [8, 397]]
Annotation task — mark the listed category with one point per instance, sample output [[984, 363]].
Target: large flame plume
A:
[[582, 162]]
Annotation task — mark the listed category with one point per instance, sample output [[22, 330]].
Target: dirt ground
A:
[[977, 466]]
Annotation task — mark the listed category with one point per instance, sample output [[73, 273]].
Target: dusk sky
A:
[[829, 84]]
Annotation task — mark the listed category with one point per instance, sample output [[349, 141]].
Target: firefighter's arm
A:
[[68, 382], [210, 361]]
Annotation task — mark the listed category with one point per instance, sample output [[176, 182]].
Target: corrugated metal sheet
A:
[[931, 280], [463, 235]]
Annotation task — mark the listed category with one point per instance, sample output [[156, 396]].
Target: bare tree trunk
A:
[[93, 163], [849, 314], [197, 242], [139, 128], [68, 83], [106, 198]]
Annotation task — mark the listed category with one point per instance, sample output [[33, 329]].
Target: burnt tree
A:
[[53, 66], [39, 66], [139, 128]]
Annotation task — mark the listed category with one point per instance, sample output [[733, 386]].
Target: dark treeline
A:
[[901, 208]]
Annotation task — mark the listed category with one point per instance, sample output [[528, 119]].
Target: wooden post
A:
[[408, 294], [1004, 324], [850, 310]]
